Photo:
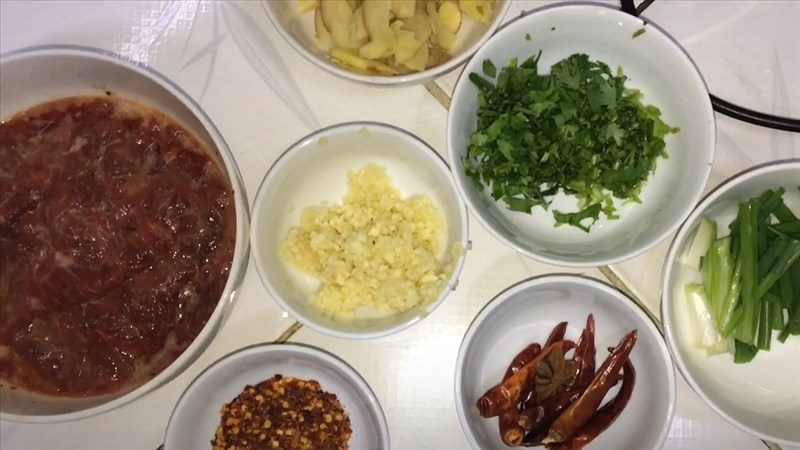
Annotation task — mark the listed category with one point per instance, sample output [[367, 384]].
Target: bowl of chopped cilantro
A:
[[580, 135]]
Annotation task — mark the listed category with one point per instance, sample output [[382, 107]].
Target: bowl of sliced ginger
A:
[[386, 42]]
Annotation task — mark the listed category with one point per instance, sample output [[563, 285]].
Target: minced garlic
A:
[[374, 252]]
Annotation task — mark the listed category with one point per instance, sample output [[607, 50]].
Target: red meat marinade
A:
[[117, 232]]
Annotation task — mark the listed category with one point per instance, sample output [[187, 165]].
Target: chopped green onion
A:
[[721, 270], [776, 316], [751, 278], [729, 307], [748, 214], [768, 259], [784, 214], [788, 228], [764, 327], [789, 254], [744, 352], [785, 289], [770, 201]]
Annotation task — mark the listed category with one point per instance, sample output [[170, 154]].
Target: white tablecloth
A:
[[263, 97]]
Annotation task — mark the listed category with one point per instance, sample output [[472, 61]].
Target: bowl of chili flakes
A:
[[278, 396]]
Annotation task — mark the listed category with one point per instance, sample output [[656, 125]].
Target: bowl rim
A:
[[309, 351], [394, 80], [418, 145], [585, 262], [241, 247], [667, 319], [544, 280]]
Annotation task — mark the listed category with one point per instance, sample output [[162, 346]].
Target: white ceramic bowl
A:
[[657, 66], [298, 31], [196, 415], [762, 397], [526, 312], [34, 75], [314, 170]]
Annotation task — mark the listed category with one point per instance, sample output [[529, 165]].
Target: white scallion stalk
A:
[[702, 330], [723, 346], [704, 236]]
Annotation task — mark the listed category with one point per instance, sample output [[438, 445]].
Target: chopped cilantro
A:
[[527, 36], [638, 33], [574, 219], [578, 130], [479, 81], [489, 69], [553, 29]]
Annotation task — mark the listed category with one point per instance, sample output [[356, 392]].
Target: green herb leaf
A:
[[527, 36], [480, 82], [638, 33], [489, 69], [520, 204], [575, 219], [578, 130]]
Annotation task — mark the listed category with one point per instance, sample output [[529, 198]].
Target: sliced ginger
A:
[[377, 18], [403, 9], [389, 37]]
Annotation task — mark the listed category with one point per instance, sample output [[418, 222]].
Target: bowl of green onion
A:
[[580, 135], [730, 301]]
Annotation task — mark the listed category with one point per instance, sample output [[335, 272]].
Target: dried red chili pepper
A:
[[570, 422], [605, 416], [536, 419], [510, 430], [557, 334], [507, 393], [524, 357], [584, 356]]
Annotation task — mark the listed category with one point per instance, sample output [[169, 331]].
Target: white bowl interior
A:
[[315, 170], [30, 78], [196, 415], [669, 194], [526, 313], [762, 397], [298, 29]]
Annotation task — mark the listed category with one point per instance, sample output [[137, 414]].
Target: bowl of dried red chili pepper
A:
[[564, 362]]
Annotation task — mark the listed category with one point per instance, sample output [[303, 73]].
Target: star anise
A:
[[553, 375]]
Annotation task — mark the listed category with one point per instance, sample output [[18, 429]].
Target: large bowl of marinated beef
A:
[[123, 232]]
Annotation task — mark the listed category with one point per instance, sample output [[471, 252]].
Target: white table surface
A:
[[263, 97]]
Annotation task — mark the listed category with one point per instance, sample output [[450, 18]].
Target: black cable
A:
[[627, 6], [756, 118], [725, 107], [642, 6]]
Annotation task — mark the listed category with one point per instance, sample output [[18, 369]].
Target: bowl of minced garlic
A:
[[369, 235], [375, 252]]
